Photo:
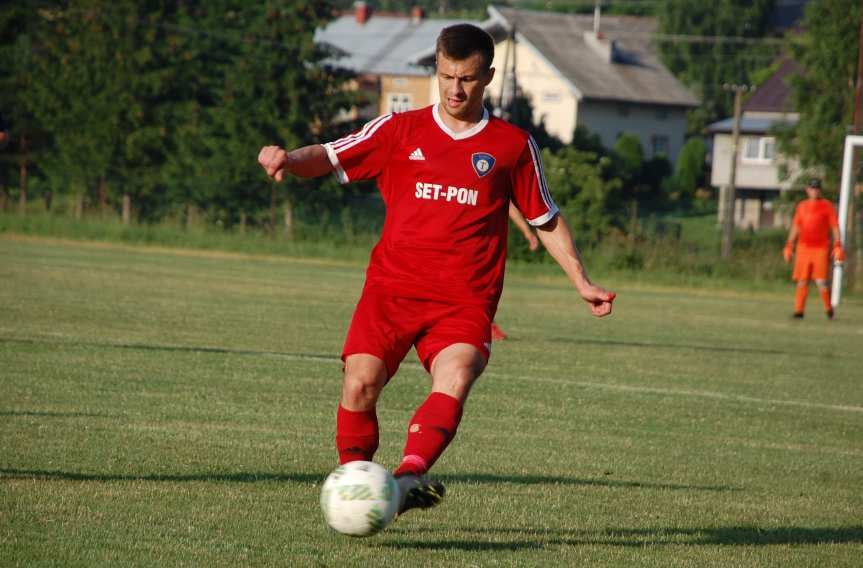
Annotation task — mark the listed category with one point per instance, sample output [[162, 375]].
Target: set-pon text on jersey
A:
[[439, 192]]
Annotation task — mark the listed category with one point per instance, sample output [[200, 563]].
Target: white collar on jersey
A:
[[465, 133]]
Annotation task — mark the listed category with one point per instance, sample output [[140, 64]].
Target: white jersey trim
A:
[[351, 140], [341, 175], [543, 186], [475, 129], [543, 219]]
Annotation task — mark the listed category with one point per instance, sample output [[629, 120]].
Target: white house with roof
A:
[[578, 70], [762, 174], [389, 54], [601, 72]]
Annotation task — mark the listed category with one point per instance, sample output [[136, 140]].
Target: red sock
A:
[[356, 434], [432, 428], [825, 297], [800, 299]]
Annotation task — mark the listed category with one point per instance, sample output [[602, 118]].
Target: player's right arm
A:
[[358, 156], [307, 162], [793, 233], [788, 250]]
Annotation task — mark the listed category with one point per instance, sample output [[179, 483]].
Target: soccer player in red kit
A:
[[447, 174], [813, 224]]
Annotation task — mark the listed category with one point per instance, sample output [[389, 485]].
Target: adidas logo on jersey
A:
[[417, 155]]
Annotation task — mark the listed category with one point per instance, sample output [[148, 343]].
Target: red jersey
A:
[[447, 196], [814, 219]]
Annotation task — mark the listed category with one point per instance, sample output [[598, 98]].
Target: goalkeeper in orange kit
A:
[[813, 224]]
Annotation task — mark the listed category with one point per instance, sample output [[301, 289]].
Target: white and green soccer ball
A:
[[359, 498]]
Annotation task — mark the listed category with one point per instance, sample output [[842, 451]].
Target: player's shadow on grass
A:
[[214, 477], [171, 348], [313, 478], [50, 414], [594, 481], [650, 345], [659, 536]]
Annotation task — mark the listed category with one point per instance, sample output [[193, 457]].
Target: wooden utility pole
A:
[[853, 236], [728, 197], [509, 45], [514, 102]]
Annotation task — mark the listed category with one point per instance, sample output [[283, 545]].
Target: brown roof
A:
[[635, 74], [774, 95]]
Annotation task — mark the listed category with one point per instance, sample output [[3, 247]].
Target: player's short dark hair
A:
[[815, 183], [460, 41]]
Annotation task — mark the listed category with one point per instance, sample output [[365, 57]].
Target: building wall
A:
[[750, 173], [760, 180], [551, 97], [651, 123], [402, 92]]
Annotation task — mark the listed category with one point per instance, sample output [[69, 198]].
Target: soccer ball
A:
[[359, 498]]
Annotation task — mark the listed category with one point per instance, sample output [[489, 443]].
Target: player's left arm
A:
[[838, 252], [518, 220], [557, 239]]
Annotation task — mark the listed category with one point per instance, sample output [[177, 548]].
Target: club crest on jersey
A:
[[482, 163]]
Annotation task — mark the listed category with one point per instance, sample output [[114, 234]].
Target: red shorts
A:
[[811, 263], [387, 327]]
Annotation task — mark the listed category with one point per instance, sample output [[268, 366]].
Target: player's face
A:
[[813, 192], [462, 85]]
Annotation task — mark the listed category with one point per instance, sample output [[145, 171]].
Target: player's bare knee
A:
[[455, 379], [360, 390]]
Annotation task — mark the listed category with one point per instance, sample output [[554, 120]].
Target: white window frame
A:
[[399, 102], [762, 142], [654, 143]]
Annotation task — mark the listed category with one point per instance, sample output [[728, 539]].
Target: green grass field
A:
[[166, 407]]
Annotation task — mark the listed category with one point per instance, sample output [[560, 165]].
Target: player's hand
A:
[[599, 299], [532, 242], [274, 160], [838, 253], [787, 252]]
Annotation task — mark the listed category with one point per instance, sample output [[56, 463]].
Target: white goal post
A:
[[846, 188]]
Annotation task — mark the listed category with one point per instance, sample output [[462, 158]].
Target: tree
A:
[[74, 98], [691, 170], [642, 177], [706, 66], [629, 157], [266, 85], [20, 32], [823, 93], [95, 84], [582, 185]]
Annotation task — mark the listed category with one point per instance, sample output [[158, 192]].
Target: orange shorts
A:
[[387, 327], [811, 263]]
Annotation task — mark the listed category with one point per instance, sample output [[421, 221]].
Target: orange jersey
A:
[[814, 219]]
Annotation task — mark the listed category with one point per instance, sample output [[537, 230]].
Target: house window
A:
[[659, 144], [399, 102], [759, 149], [769, 147]]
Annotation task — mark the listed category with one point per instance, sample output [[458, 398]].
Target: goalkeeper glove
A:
[[838, 252]]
